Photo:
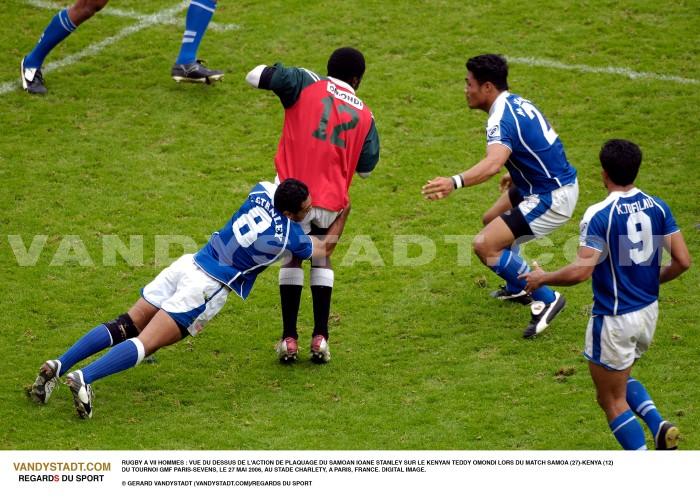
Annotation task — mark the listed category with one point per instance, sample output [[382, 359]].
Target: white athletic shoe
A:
[[46, 382], [287, 349], [320, 352], [82, 394]]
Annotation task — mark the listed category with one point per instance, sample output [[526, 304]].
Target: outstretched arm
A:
[[576, 272], [680, 257], [441, 187], [259, 77]]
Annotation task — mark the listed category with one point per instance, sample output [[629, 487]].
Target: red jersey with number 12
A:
[[323, 135]]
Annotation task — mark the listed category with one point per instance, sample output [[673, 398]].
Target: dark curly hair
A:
[[290, 195], [346, 63], [621, 160], [489, 67]]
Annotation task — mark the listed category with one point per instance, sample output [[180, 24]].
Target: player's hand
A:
[[534, 278], [437, 188], [505, 183]]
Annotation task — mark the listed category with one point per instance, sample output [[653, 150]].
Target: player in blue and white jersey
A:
[[192, 290], [542, 189], [622, 241]]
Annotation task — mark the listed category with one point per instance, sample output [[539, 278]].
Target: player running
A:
[[622, 241], [187, 67], [328, 135], [544, 187], [185, 296]]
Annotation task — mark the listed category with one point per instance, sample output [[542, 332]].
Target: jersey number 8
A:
[[248, 226]]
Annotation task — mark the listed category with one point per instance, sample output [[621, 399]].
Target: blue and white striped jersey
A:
[[629, 229], [537, 162], [255, 237]]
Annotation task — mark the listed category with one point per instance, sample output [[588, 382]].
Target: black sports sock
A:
[[290, 298], [322, 307]]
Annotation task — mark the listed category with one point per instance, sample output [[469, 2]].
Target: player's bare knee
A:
[[84, 10], [292, 263], [322, 262], [482, 248]]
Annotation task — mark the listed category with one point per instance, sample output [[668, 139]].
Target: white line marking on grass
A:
[[130, 14], [621, 71]]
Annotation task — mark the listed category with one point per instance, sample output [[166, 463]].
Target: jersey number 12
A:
[[322, 131]]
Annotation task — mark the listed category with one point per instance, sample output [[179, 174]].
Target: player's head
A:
[[347, 64], [620, 160], [292, 199], [487, 77]]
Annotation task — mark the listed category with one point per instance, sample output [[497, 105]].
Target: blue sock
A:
[[120, 357], [57, 30], [515, 250], [639, 400], [92, 342], [628, 431], [510, 266], [199, 13]]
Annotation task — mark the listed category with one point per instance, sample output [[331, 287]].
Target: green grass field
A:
[[422, 357]]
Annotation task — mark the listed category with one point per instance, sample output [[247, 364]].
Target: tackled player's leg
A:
[[99, 338], [160, 332]]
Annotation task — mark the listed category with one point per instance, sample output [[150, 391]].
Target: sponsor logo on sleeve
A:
[[493, 133]]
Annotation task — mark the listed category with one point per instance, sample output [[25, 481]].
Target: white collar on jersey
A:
[[629, 193], [343, 84], [499, 99]]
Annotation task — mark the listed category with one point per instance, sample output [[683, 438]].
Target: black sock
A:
[[322, 307], [290, 297]]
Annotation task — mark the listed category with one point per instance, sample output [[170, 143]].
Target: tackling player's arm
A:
[[323, 246], [440, 187], [576, 272], [680, 257]]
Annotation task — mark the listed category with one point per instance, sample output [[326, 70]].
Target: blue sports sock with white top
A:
[[628, 431], [92, 342], [640, 401], [57, 30], [199, 13], [120, 357]]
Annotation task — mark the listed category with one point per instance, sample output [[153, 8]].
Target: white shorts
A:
[[617, 341], [189, 295], [548, 211], [321, 218]]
